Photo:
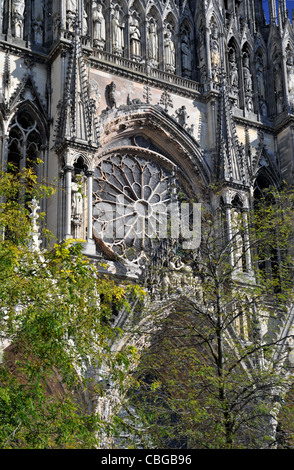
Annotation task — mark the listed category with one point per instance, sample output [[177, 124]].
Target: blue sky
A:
[[289, 3]]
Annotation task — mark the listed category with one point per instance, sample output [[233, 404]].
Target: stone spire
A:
[[230, 160], [76, 119]]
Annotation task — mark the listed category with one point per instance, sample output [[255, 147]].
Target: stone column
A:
[[207, 47], [90, 246], [229, 234], [68, 169], [246, 242]]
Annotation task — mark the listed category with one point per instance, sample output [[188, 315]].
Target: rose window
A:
[[131, 197]]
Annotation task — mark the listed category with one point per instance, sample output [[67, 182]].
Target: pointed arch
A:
[[163, 134]]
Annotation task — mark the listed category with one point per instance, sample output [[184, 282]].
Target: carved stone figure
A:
[[234, 78], [98, 26], [214, 54], [117, 33], [135, 38], [111, 95], [186, 56], [18, 7], [247, 75], [249, 104], [152, 42], [169, 52], [182, 116], [37, 26], [71, 5], [290, 73], [263, 107], [85, 23], [260, 78], [77, 202]]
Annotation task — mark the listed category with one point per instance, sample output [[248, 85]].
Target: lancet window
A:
[[25, 145]]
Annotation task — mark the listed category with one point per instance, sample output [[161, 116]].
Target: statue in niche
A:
[[186, 55], [38, 22], [99, 36], [247, 74], [260, 77], [263, 107], [77, 208], [214, 54], [169, 52], [290, 73], [85, 23], [135, 38], [37, 25], [249, 104], [18, 7], [117, 33], [71, 5], [234, 77], [152, 42]]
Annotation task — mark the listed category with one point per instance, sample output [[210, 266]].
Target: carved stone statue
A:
[[152, 42], [111, 95], [77, 202], [214, 54], [234, 78], [71, 5], [186, 56], [182, 116], [18, 7], [85, 23], [99, 26], [117, 33], [169, 52], [37, 26], [260, 78], [290, 73], [135, 38], [247, 75]]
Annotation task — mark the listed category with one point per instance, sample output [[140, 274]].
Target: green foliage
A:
[[210, 378], [51, 313]]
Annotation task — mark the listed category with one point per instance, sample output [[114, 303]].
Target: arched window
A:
[[268, 255], [25, 142]]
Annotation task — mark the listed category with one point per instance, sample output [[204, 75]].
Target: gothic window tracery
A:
[[131, 199], [25, 141]]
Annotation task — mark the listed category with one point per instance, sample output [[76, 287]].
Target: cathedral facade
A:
[[110, 95], [122, 103]]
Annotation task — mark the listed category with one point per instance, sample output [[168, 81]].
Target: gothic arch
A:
[[158, 129], [27, 139]]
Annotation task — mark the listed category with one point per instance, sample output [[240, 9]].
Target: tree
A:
[[216, 372], [54, 323]]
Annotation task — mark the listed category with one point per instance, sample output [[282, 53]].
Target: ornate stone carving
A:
[[110, 92], [117, 26], [99, 35], [182, 116], [234, 76], [135, 36], [37, 26], [18, 7], [152, 45], [260, 77], [186, 55], [247, 74], [169, 51], [290, 73], [214, 54]]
